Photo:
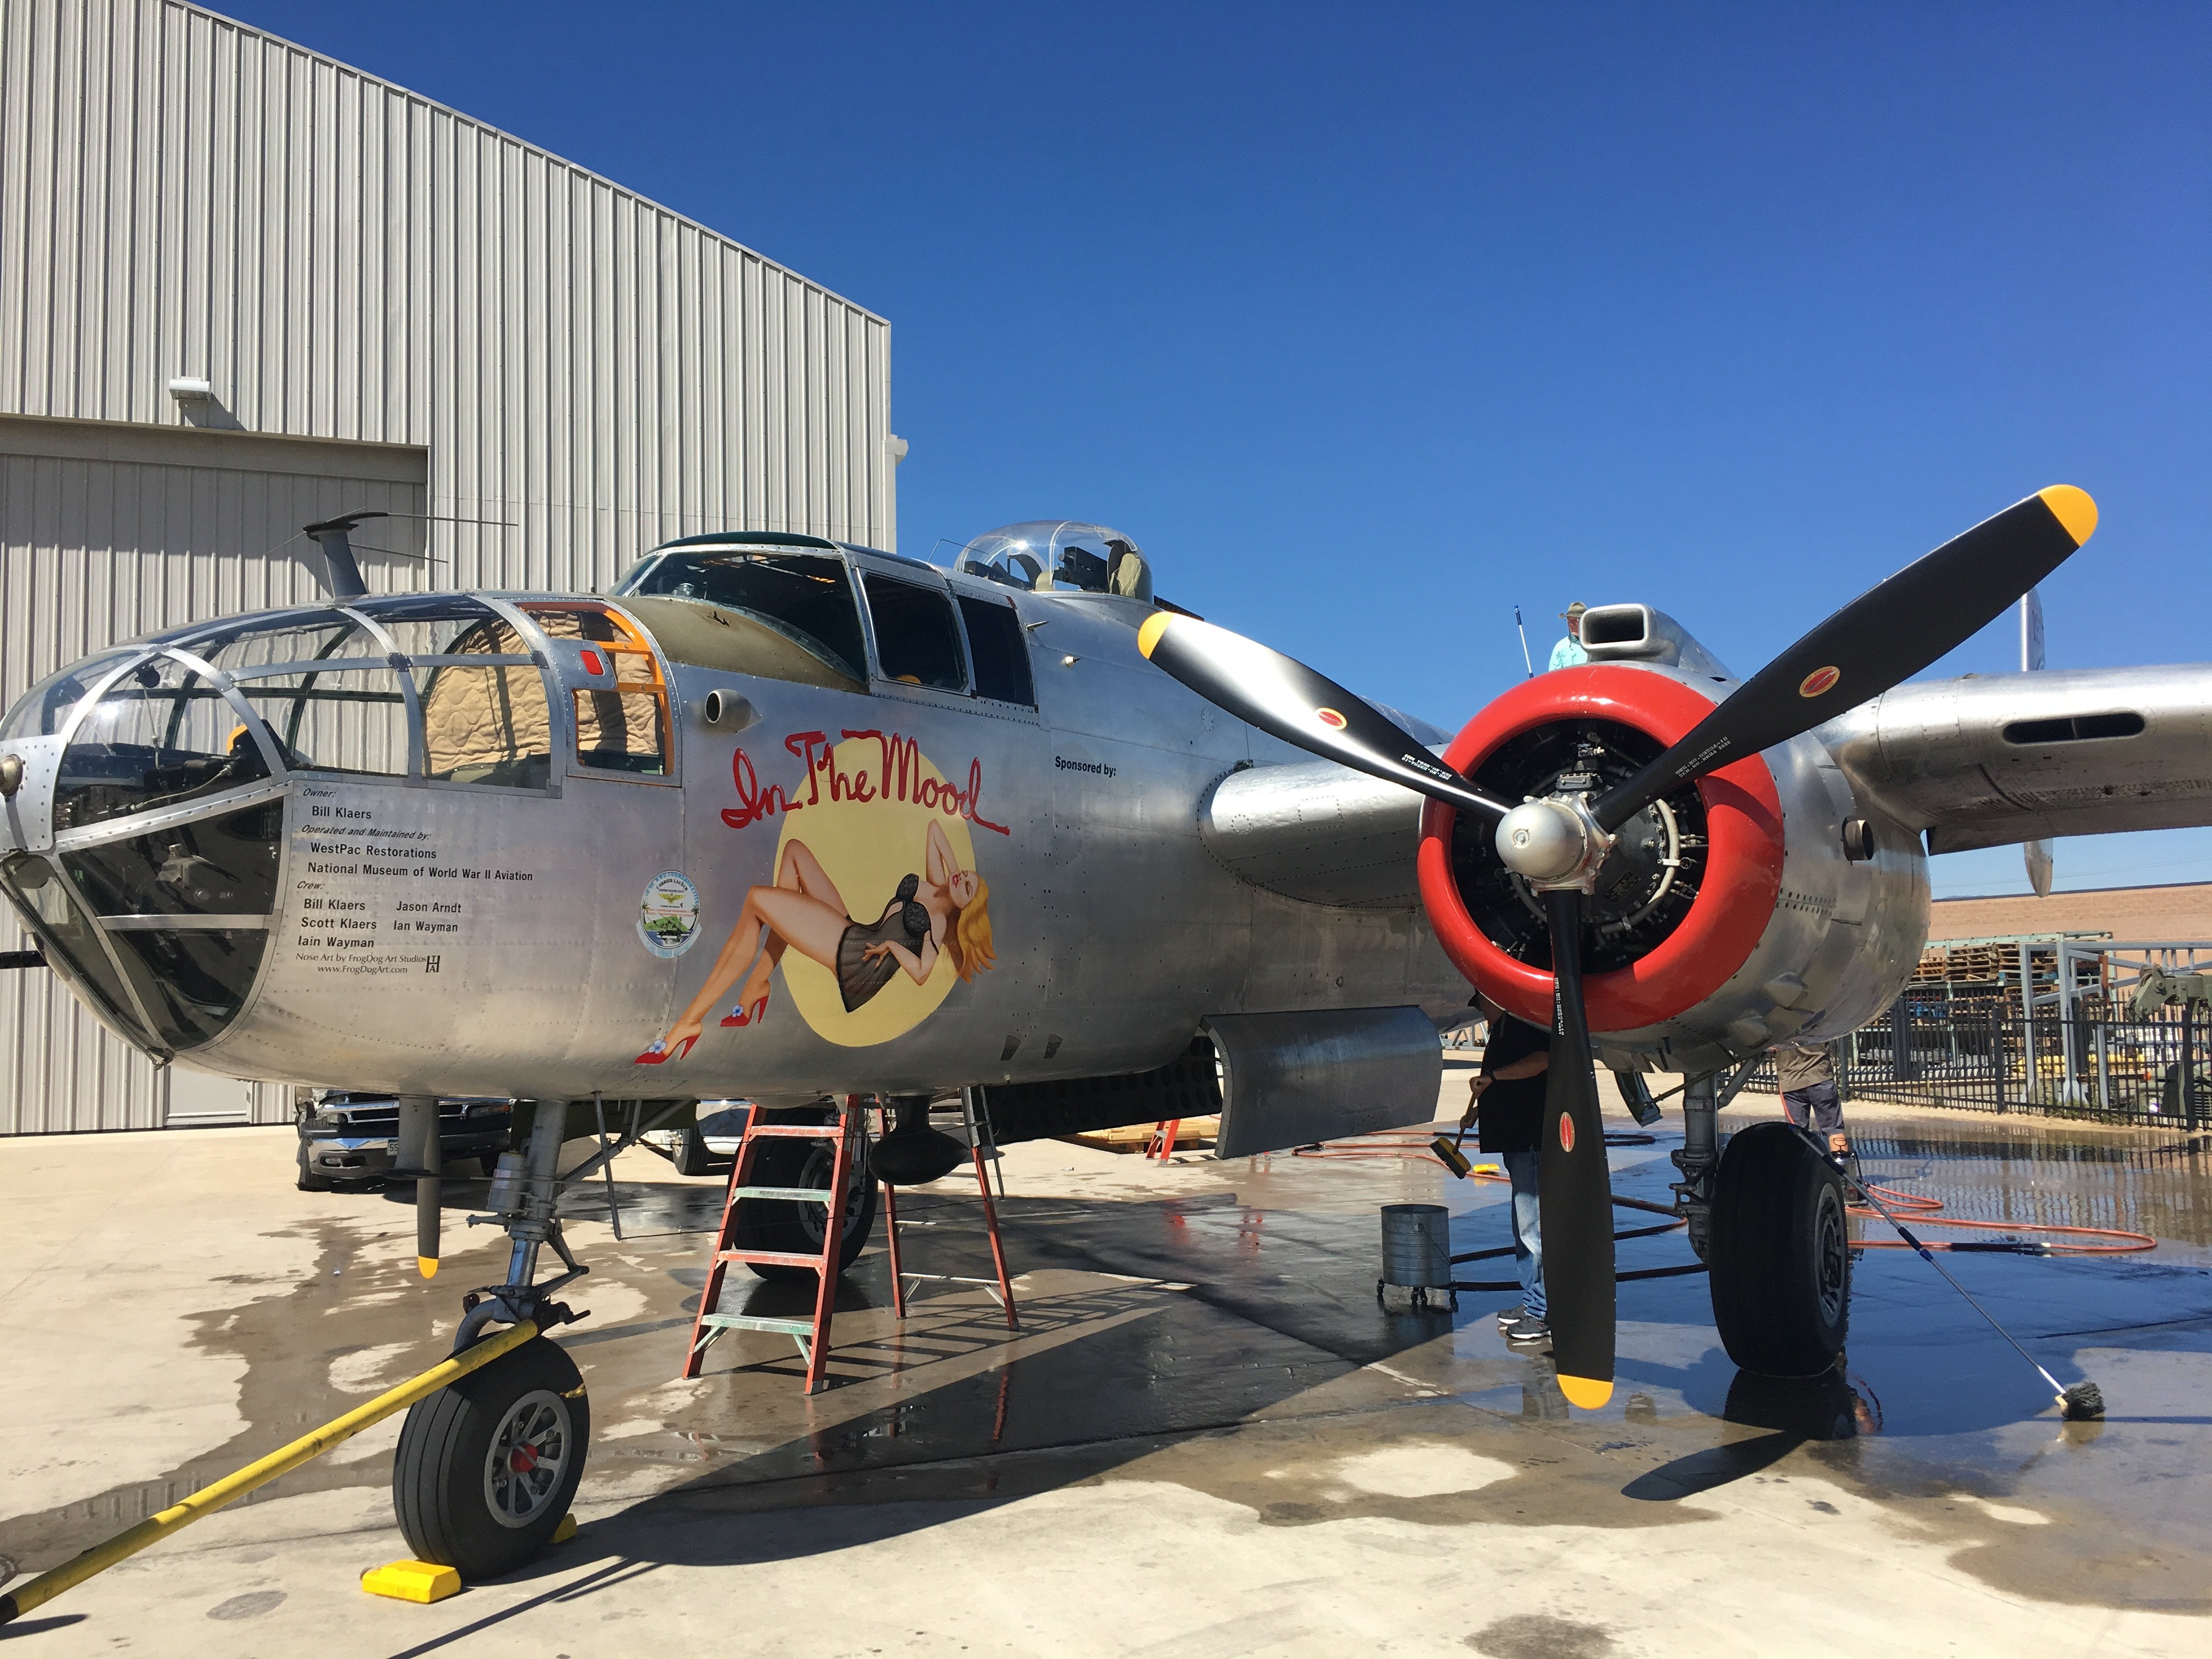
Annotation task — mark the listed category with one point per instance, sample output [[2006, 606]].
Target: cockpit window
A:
[[68, 937], [444, 624], [224, 866], [623, 726], [1000, 649], [489, 725], [916, 641], [807, 598], [45, 708], [193, 981], [160, 735], [335, 720], [1047, 555], [299, 637]]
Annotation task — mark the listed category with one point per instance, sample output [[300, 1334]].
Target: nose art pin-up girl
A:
[[944, 911]]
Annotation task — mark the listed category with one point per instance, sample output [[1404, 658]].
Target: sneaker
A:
[[1528, 1335], [1508, 1317]]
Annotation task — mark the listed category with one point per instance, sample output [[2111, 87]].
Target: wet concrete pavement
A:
[[1207, 1438]]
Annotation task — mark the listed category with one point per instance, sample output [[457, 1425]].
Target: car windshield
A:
[[807, 598]]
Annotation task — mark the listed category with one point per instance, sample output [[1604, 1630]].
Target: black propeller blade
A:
[[1281, 695], [1893, 630], [1576, 1187]]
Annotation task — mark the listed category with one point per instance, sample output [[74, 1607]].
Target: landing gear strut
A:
[[1767, 1216]]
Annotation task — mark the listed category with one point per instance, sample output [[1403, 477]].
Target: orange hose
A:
[[1923, 1211]]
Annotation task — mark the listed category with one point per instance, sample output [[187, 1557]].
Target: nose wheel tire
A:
[[487, 1468], [1780, 1257]]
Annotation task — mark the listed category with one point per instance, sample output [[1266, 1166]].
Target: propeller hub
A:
[[1551, 842]]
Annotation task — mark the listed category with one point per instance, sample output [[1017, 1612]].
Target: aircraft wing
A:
[[1992, 759]]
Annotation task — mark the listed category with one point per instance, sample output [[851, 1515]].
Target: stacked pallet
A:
[[1966, 963]]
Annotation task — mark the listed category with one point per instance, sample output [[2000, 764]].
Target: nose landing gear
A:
[[487, 1468]]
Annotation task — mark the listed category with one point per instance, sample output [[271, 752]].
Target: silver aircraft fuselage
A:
[[337, 881]]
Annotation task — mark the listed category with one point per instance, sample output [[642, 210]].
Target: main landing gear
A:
[[1767, 1216]]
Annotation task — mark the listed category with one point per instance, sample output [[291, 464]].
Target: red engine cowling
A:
[[1742, 856]]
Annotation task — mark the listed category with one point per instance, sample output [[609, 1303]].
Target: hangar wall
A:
[[538, 372]]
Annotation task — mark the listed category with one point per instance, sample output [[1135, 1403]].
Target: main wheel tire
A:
[[692, 1154], [488, 1467], [1781, 1253], [772, 1223]]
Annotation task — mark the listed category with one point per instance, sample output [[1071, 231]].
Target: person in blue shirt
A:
[[1569, 652]]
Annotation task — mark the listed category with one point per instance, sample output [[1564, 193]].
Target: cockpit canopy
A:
[[1046, 553]]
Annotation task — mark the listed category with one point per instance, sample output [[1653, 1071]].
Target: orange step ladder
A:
[[812, 1336], [1001, 1285]]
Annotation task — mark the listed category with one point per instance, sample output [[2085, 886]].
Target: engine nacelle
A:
[[1768, 901]]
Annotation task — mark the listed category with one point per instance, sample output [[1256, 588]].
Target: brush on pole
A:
[[1446, 1147], [1527, 661], [2080, 1402]]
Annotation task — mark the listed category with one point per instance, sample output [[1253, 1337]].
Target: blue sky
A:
[[1371, 322]]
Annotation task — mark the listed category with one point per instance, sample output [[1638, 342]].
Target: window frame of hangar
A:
[[637, 641]]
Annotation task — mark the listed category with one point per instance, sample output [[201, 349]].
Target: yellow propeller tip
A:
[[1149, 635], [1586, 1392], [428, 1265], [2073, 508]]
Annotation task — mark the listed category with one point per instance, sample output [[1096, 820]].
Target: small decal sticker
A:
[[1566, 1133], [1330, 717], [1819, 680], [668, 919]]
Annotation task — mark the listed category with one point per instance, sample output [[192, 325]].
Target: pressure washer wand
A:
[[2082, 1400]]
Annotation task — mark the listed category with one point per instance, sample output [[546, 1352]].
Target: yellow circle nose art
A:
[[867, 847]]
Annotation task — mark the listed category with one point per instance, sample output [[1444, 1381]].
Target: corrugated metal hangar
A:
[[246, 287]]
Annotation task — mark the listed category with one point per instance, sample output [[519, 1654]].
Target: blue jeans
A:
[[1816, 1106], [1528, 1240]]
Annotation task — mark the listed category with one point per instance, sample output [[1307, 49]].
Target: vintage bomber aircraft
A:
[[790, 818]]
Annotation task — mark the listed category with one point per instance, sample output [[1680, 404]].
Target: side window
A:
[[489, 724], [999, 650], [916, 641], [624, 728]]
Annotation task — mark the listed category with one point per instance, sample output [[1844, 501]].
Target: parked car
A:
[[710, 1146], [346, 1139]]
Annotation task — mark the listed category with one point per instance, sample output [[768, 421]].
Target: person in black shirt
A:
[[1508, 1098]]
